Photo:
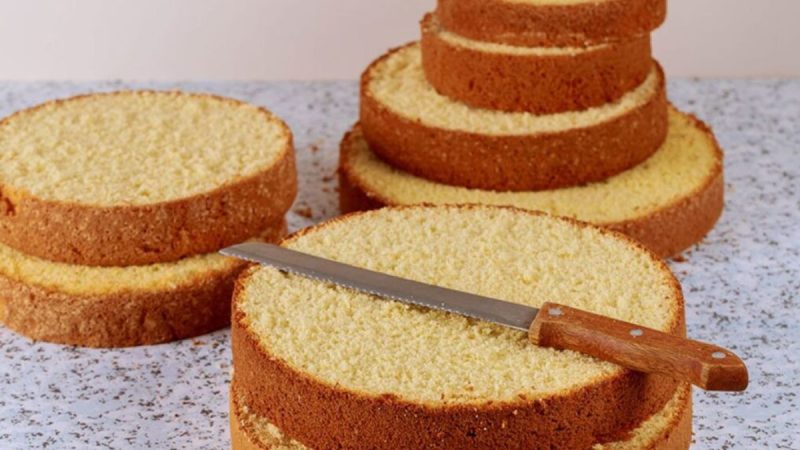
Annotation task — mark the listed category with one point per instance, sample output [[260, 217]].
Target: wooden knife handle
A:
[[704, 365]]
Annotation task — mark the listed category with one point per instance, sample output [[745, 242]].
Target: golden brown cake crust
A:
[[543, 84], [243, 434], [551, 25], [242, 437], [123, 319], [667, 232], [676, 436], [514, 163], [679, 435], [145, 234], [301, 405]]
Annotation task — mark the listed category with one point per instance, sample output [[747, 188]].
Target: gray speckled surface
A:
[[741, 287]]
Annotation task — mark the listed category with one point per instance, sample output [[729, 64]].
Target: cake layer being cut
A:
[[118, 306], [543, 80], [418, 130], [334, 368], [669, 202], [668, 429], [134, 178], [552, 22]]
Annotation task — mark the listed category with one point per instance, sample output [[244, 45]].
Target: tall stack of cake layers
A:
[[547, 105], [550, 105], [321, 367], [113, 206]]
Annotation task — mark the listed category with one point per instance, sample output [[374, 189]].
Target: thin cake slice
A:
[[118, 306], [132, 178], [414, 128], [669, 202], [334, 368], [533, 79], [668, 429], [552, 22]]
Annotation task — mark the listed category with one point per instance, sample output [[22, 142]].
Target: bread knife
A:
[[556, 326]]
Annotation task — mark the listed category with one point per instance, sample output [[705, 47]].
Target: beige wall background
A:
[[333, 39]]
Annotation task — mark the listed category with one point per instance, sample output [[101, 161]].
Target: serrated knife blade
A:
[[512, 315]]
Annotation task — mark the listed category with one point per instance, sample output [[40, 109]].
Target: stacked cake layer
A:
[[669, 429], [327, 367], [551, 23], [414, 128], [669, 202], [113, 205], [532, 79], [549, 105], [546, 106]]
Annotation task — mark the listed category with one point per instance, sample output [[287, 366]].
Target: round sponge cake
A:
[[552, 22], [543, 80], [334, 368], [132, 178], [118, 306], [421, 131], [669, 202], [668, 429]]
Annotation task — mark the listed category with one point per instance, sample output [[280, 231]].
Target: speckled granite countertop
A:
[[741, 287]]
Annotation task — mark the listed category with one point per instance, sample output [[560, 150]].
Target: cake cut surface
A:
[[457, 40], [399, 83], [480, 258], [684, 176], [380, 360], [90, 280], [141, 177], [118, 306], [136, 148]]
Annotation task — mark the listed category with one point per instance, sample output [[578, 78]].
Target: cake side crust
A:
[[514, 162], [94, 235], [544, 83], [582, 23], [126, 318], [668, 231]]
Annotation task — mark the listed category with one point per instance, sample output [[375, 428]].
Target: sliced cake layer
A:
[[668, 429], [416, 129], [551, 22], [334, 368], [669, 202], [118, 306], [531, 79], [132, 178]]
